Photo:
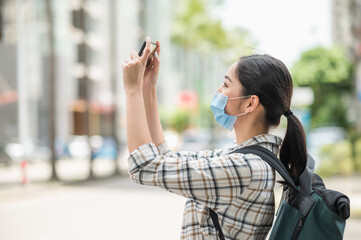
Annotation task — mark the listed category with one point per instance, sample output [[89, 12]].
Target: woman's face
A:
[[231, 88]]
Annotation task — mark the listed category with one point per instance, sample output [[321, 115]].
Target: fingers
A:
[[133, 58], [150, 60], [155, 60], [158, 48], [125, 63], [146, 52], [134, 55]]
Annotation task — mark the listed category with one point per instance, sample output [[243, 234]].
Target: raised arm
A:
[[150, 98], [137, 126]]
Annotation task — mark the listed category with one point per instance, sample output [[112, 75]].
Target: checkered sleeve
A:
[[163, 148], [209, 180]]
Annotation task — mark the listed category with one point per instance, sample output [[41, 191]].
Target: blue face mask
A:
[[218, 106]]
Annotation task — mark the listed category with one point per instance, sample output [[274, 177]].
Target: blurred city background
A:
[[63, 149]]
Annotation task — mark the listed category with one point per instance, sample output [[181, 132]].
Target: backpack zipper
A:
[[300, 223]]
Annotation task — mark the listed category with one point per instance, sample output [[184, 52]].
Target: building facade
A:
[[346, 32], [60, 66], [89, 41]]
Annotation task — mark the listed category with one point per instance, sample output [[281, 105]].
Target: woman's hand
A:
[[150, 98], [152, 71], [134, 69]]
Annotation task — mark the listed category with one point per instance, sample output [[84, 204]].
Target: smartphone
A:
[[153, 48]]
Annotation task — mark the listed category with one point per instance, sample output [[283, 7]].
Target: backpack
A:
[[307, 211]]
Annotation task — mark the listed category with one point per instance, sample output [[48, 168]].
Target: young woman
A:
[[256, 92]]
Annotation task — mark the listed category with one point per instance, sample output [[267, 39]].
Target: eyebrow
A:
[[227, 77]]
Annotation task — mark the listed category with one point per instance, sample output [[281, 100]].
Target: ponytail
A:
[[293, 153]]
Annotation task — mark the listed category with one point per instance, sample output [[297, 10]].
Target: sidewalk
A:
[[112, 208], [350, 186]]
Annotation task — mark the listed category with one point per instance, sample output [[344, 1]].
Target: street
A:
[[110, 208], [114, 208]]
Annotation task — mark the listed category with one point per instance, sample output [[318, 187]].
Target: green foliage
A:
[[180, 121], [328, 72], [357, 159], [320, 66], [336, 159], [194, 28], [205, 117], [175, 119], [329, 111]]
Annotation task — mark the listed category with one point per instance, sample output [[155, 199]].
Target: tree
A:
[[52, 81], [195, 28], [328, 72]]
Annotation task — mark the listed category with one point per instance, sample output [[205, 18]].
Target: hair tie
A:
[[288, 113]]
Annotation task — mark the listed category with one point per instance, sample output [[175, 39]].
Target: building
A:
[[60, 66], [85, 40], [346, 32], [9, 106]]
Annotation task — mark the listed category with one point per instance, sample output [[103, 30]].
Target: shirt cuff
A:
[[142, 156], [163, 148]]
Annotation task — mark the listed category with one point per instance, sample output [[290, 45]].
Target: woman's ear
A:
[[252, 103]]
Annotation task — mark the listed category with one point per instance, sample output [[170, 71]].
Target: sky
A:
[[282, 28]]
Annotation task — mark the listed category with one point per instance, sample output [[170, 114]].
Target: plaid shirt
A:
[[238, 187]]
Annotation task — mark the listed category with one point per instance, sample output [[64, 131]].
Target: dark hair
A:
[[270, 80]]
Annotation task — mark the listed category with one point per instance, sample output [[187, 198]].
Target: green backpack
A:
[[308, 211]]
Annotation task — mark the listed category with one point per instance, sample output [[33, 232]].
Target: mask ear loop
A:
[[241, 114], [240, 97]]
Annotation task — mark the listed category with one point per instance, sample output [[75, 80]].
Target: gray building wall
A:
[[346, 32], [8, 77]]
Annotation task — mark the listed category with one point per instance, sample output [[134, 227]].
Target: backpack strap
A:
[[299, 199], [305, 178], [214, 217], [271, 159]]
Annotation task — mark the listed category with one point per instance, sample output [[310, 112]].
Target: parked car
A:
[[29, 149], [76, 146], [201, 139], [104, 147], [195, 140]]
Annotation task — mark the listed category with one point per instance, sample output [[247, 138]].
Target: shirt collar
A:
[[269, 141]]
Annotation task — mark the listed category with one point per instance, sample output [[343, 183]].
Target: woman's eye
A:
[[224, 84]]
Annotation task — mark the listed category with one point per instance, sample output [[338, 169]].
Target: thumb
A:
[[146, 52]]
